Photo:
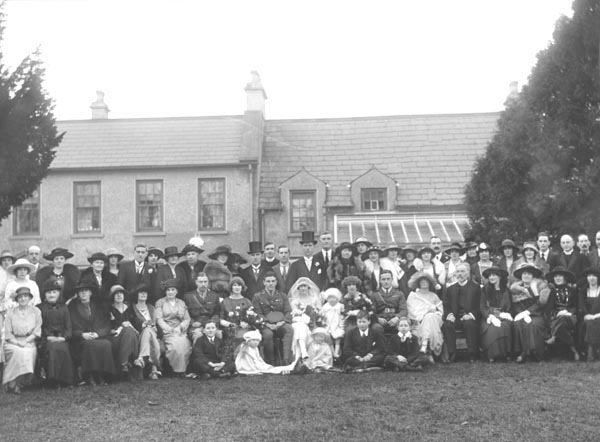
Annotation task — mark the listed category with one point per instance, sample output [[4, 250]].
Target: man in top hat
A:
[[307, 265], [569, 258], [462, 312], [167, 271], [67, 274], [192, 265], [135, 272], [393, 262], [435, 243], [253, 275], [270, 259], [324, 256]]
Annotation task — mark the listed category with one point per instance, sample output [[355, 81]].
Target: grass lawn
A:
[[548, 401]]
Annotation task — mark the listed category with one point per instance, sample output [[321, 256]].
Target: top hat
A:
[[255, 247], [308, 236]]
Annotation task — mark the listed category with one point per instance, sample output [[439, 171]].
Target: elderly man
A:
[[583, 243], [33, 256], [203, 306], [462, 312], [569, 258]]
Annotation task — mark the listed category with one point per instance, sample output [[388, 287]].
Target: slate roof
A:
[[430, 156], [149, 142]]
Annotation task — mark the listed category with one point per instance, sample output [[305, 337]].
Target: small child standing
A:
[[404, 351], [332, 313], [320, 356]]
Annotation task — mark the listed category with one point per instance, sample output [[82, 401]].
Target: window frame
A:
[[17, 210], [295, 193], [202, 228], [76, 231], [138, 227], [384, 199]]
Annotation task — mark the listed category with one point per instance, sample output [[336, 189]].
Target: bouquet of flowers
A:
[[247, 315]]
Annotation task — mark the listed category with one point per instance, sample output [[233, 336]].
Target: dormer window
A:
[[374, 200]]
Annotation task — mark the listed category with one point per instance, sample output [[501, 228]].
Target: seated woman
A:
[[529, 296], [22, 327], [496, 328], [426, 310], [55, 354], [91, 346], [364, 347], [404, 351], [562, 308], [589, 312], [20, 271], [124, 337], [320, 356], [355, 302], [208, 355], [249, 361], [144, 321], [173, 319], [305, 300]]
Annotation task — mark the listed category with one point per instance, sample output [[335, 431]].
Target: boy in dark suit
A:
[[404, 351], [364, 347], [208, 355]]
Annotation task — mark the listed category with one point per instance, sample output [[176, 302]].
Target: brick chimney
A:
[[99, 108], [255, 94]]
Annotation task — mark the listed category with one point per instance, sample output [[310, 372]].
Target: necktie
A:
[[212, 341], [327, 258], [284, 272], [256, 273]]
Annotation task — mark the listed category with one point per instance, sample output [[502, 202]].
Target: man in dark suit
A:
[[583, 244], [324, 257], [569, 258], [435, 243], [135, 272], [543, 243], [594, 257], [390, 304], [167, 271], [364, 347], [253, 275], [462, 312], [282, 269], [34, 253], [208, 355], [307, 266], [270, 260], [191, 266], [203, 306]]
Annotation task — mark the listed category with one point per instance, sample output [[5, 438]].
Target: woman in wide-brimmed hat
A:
[[484, 262], [143, 320], [217, 270], [562, 307], [19, 271], [496, 327], [508, 261], [372, 269], [355, 301], [530, 255], [345, 262], [529, 296], [432, 267], [92, 348], [589, 306], [98, 271], [454, 252], [124, 336], [23, 326], [114, 258], [425, 309], [65, 273]]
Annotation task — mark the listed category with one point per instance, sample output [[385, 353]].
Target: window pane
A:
[[303, 214], [374, 199], [27, 216], [149, 205], [211, 210], [87, 207]]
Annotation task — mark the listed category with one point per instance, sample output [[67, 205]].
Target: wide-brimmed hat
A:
[[537, 273], [221, 250], [455, 246], [332, 291], [531, 246], [172, 251], [20, 263], [155, 251], [49, 285], [114, 252], [308, 236], [493, 269], [409, 248], [252, 335], [59, 251], [426, 249], [7, 254], [239, 258], [413, 282], [374, 248], [87, 283], [320, 331], [191, 248], [117, 288], [470, 245], [484, 247], [392, 246], [21, 291], [98, 256], [139, 288], [170, 283], [238, 280], [509, 243], [345, 245], [560, 270], [255, 247], [591, 271], [363, 240], [351, 280]]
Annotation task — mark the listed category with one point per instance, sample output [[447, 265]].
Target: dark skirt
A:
[[97, 355], [563, 328], [591, 331], [530, 338], [58, 362], [125, 346], [496, 342]]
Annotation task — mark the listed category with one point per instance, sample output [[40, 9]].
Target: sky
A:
[[316, 58]]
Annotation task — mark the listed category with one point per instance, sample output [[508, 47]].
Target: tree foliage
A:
[[541, 171], [28, 133]]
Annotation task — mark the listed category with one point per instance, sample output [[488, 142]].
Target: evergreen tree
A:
[[28, 133], [541, 171]]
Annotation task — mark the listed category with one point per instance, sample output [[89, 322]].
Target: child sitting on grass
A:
[[249, 361], [364, 347], [332, 314], [320, 356], [404, 352]]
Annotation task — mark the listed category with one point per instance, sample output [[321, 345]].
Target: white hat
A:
[[253, 334], [21, 263]]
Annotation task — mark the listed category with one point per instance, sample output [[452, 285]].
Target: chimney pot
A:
[[255, 94], [99, 108]]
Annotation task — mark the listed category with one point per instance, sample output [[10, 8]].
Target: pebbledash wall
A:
[[392, 179]]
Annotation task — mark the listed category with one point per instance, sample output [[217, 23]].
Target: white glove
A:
[[451, 317], [527, 319], [522, 315], [563, 313], [495, 321], [505, 315]]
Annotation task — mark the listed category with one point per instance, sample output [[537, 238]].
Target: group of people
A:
[[354, 307]]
